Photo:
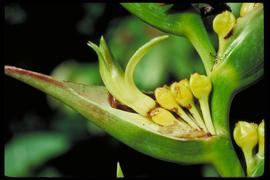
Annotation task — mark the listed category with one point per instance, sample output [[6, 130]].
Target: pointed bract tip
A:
[[8, 69]]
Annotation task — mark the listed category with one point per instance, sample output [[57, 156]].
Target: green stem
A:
[[225, 159], [220, 103], [221, 48], [204, 47], [250, 160]]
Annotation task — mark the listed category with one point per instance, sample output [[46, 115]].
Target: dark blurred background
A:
[[40, 37]]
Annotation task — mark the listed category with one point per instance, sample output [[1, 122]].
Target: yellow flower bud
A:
[[245, 135], [223, 23], [185, 82], [200, 85], [261, 138], [182, 93], [165, 98], [248, 7], [162, 117]]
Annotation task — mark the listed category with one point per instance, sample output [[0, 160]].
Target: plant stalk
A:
[[220, 102], [204, 47], [226, 161]]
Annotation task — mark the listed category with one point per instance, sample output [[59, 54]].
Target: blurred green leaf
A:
[[71, 70], [49, 172], [209, 171], [92, 12], [15, 14], [27, 151]]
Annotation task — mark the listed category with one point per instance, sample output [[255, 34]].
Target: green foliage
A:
[[209, 171], [26, 151]]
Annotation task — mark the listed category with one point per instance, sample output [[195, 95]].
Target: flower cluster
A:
[[174, 105]]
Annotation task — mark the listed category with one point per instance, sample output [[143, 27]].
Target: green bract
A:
[[133, 129]]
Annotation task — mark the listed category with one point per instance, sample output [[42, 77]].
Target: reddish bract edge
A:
[[12, 70]]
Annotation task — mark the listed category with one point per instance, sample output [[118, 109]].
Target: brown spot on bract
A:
[[193, 134], [112, 101], [178, 132], [117, 105]]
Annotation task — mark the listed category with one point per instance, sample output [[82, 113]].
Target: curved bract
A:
[[130, 128], [121, 83]]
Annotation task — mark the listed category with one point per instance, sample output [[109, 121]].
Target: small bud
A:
[[165, 98], [245, 134], [248, 7], [223, 23], [162, 117], [200, 85], [261, 138], [182, 93]]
